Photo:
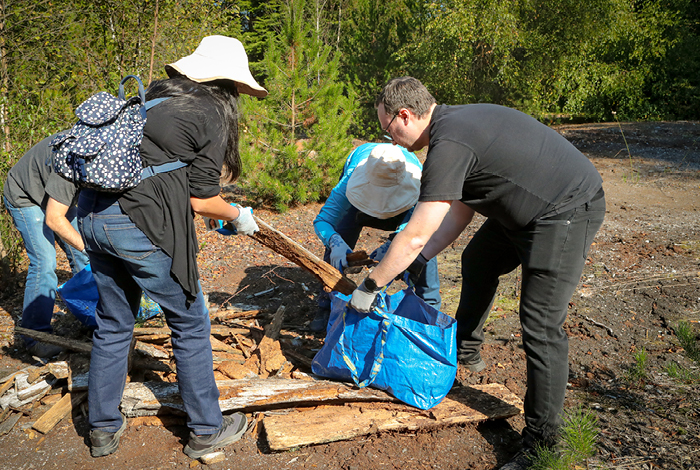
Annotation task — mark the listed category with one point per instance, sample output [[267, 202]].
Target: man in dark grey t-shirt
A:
[[26, 193], [544, 203]]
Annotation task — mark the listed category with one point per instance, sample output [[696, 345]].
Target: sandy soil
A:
[[640, 281]]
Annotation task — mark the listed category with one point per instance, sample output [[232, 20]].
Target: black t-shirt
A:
[[160, 205], [504, 164], [32, 178]]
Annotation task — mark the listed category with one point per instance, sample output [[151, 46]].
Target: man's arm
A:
[[426, 219], [56, 220], [454, 223]]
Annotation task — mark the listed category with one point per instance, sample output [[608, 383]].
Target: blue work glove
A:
[[339, 252], [364, 298], [245, 223], [378, 254], [414, 270]]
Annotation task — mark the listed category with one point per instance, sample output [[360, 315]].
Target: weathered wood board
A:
[[340, 422], [154, 398], [285, 246]]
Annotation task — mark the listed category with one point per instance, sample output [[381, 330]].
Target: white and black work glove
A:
[[414, 270], [245, 223], [364, 297], [339, 252], [378, 254]]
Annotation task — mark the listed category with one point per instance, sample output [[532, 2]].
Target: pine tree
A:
[[295, 141]]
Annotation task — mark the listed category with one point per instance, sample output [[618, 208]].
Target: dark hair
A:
[[405, 92], [224, 93]]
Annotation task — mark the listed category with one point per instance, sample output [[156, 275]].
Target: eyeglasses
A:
[[386, 129]]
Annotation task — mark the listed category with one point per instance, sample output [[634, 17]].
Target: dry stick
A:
[[609, 330]]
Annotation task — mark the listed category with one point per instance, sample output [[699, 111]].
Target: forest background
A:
[[324, 62]]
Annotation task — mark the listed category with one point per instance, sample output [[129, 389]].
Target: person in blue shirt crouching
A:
[[378, 188]]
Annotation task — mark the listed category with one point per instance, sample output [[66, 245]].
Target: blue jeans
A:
[[40, 244], [552, 253], [125, 264], [350, 227]]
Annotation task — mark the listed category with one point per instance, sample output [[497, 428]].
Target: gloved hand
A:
[[364, 297], [245, 223], [415, 269], [378, 254], [339, 252]]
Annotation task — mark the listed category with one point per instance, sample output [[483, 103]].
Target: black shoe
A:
[[320, 321], [105, 443], [44, 350], [473, 362], [520, 461], [233, 427]]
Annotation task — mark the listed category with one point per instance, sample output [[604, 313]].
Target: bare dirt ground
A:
[[642, 278]]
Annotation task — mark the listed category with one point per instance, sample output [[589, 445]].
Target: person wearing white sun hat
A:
[[144, 240], [379, 187]]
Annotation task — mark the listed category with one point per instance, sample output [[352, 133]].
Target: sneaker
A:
[[520, 461], [233, 427], [105, 443], [320, 321], [44, 350], [473, 363]]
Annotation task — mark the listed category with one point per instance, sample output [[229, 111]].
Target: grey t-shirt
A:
[[32, 178], [504, 164]]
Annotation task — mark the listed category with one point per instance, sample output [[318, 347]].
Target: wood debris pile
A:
[[256, 373]]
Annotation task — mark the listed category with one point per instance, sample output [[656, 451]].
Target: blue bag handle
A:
[[379, 357]]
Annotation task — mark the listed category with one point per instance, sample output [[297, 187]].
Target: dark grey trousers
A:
[[552, 253]]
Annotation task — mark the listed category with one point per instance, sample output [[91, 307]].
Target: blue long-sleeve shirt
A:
[[337, 204]]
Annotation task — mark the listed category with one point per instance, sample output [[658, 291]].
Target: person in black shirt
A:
[[544, 203], [144, 240]]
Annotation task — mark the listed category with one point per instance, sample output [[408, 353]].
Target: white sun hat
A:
[[385, 184], [218, 58]]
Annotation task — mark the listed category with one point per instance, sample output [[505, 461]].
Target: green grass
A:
[[682, 374], [686, 336]]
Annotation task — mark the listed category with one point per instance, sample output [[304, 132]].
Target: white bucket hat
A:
[[385, 184], [218, 58]]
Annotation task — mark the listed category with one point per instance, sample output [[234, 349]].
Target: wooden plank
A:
[[285, 246], [10, 382], [151, 398], [58, 411], [334, 423], [7, 425], [65, 343], [160, 333]]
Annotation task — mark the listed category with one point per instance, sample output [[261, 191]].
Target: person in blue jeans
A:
[[144, 240], [25, 197], [544, 202], [378, 188]]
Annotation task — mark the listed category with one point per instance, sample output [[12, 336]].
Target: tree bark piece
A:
[[58, 411], [285, 246], [151, 398], [334, 423]]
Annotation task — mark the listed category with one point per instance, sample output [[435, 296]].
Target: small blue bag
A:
[[403, 346], [80, 296]]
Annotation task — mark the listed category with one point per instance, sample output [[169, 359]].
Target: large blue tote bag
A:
[[403, 346]]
